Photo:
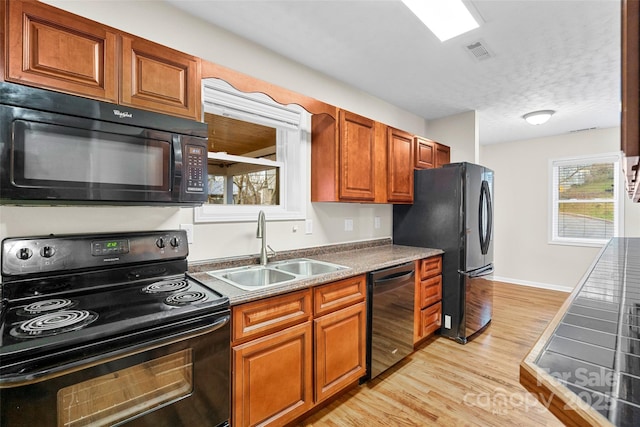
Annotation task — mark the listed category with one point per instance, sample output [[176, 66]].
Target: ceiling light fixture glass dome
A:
[[538, 117]]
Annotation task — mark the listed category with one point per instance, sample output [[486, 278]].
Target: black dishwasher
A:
[[390, 314]]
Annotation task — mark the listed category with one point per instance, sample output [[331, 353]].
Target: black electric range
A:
[[74, 298]]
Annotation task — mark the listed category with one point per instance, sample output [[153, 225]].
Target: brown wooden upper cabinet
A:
[[430, 154], [425, 153], [58, 50], [157, 78], [630, 125], [400, 166], [343, 158], [443, 155]]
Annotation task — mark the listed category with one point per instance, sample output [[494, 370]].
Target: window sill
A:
[[220, 213], [584, 243]]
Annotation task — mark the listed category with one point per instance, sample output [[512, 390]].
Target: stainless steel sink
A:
[[258, 276], [255, 277], [307, 267]]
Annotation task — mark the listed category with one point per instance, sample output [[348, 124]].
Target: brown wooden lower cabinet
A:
[[272, 378], [428, 306], [284, 363], [340, 349]]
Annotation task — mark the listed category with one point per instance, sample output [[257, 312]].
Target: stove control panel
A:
[[30, 255]]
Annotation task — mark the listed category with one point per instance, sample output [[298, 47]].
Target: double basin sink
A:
[[255, 277]]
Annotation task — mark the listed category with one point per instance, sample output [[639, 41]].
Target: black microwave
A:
[[62, 149]]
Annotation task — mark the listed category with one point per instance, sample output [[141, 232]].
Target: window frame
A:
[[293, 124], [618, 200]]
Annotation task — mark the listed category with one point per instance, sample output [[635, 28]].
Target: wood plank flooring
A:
[[448, 384]]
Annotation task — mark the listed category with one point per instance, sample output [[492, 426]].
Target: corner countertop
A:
[[586, 365], [357, 258]]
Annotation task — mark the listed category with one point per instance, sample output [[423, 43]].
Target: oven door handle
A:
[[31, 377]]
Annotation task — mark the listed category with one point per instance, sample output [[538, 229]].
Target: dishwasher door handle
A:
[[394, 278]]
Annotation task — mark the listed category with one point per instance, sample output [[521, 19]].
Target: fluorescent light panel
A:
[[445, 18]]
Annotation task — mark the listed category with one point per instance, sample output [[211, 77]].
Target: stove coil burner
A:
[[54, 323], [165, 286], [185, 298], [46, 306]]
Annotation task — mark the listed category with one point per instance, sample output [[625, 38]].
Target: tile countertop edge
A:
[[358, 261], [562, 402]]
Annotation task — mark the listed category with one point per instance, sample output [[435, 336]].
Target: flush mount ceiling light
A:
[[445, 18], [538, 117]]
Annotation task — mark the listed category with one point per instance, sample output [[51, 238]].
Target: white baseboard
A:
[[533, 284]]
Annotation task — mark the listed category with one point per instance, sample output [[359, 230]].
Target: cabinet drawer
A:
[[430, 319], [337, 295], [430, 291], [259, 318], [431, 267]]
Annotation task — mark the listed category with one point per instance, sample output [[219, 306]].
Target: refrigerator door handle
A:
[[485, 222], [480, 272]]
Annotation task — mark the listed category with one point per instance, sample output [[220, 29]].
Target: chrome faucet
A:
[[261, 233]]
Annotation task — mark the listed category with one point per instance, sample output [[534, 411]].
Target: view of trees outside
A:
[[586, 199], [251, 188]]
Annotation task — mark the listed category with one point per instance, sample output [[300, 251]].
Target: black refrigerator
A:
[[453, 211]]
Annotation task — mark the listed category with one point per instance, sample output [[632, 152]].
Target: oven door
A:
[[55, 157], [178, 381]]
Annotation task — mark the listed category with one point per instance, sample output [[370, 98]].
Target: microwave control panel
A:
[[196, 161]]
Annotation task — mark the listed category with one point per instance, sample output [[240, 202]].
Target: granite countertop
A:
[[359, 258], [589, 356]]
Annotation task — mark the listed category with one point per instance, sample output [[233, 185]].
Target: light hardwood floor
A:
[[448, 384]]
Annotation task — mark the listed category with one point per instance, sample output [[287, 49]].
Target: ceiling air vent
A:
[[479, 50]]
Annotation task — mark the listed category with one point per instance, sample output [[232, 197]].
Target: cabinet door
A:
[[272, 378], [157, 78], [340, 349], [630, 120], [53, 49], [400, 166], [357, 157], [425, 153], [443, 155]]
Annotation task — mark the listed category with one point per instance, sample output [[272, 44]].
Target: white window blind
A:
[[585, 199]]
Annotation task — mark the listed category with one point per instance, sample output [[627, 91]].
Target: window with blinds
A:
[[585, 200]]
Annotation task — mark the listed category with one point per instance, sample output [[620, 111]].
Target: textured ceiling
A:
[[546, 54]]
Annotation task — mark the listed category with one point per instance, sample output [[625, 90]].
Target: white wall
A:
[[160, 22], [460, 132], [522, 252]]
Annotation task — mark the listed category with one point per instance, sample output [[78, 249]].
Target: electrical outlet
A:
[[447, 321], [348, 224], [376, 222], [308, 226], [189, 229]]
